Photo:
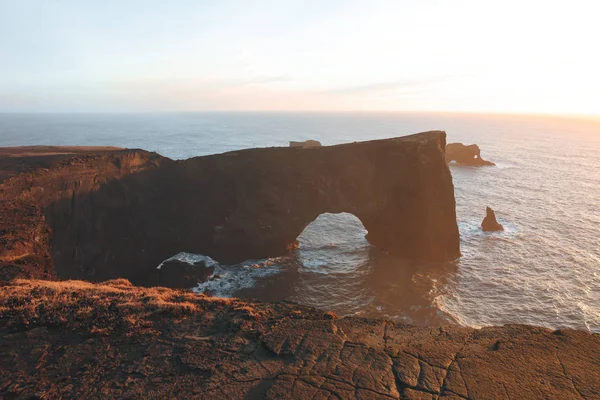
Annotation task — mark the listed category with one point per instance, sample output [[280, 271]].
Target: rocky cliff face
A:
[[51, 202], [120, 213]]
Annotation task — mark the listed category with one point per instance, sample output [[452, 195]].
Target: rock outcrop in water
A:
[[178, 274], [98, 215], [80, 340], [465, 155], [306, 144], [489, 223]]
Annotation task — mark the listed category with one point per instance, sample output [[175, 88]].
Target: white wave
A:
[[191, 258], [227, 280]]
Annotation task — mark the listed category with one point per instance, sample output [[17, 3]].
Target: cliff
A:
[[112, 340], [52, 197], [108, 213]]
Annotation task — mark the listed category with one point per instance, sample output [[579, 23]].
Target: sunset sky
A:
[[522, 56]]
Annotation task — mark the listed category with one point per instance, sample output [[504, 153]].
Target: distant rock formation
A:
[[489, 223], [465, 155], [306, 144], [120, 213]]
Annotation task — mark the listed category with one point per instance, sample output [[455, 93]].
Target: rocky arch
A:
[[122, 213], [400, 189], [465, 155]]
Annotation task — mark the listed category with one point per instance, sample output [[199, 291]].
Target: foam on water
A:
[[227, 280], [191, 258]]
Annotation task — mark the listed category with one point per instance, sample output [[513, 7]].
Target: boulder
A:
[[489, 223], [465, 155], [178, 274]]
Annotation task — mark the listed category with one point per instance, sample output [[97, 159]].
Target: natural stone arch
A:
[[400, 189], [465, 155], [121, 213]]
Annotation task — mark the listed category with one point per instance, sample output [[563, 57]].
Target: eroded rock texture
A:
[[465, 155], [80, 340], [109, 214]]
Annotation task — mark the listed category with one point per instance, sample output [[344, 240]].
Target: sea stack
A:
[[489, 223], [469, 155]]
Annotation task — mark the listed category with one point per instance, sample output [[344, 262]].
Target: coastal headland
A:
[[98, 214], [82, 228]]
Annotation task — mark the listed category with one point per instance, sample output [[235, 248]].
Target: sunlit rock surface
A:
[[79, 340]]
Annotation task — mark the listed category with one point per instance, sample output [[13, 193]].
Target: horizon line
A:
[[349, 111]]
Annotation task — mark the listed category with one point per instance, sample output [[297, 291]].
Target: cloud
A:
[[385, 86], [260, 80]]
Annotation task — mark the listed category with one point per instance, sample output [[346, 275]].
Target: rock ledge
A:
[[75, 339]]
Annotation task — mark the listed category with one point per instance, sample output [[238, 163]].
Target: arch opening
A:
[[336, 268], [333, 260], [333, 243]]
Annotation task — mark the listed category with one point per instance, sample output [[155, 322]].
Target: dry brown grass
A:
[[104, 307]]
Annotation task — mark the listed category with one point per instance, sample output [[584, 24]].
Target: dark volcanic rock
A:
[[465, 155], [80, 340], [52, 200], [181, 275], [489, 223], [120, 213]]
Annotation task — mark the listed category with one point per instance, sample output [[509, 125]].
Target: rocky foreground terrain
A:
[[75, 339]]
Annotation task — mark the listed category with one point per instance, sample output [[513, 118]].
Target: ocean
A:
[[544, 269]]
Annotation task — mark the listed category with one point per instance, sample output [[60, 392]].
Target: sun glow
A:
[[514, 56]]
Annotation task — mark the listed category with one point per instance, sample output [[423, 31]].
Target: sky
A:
[[524, 56]]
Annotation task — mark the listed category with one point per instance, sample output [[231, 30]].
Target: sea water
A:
[[544, 269]]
